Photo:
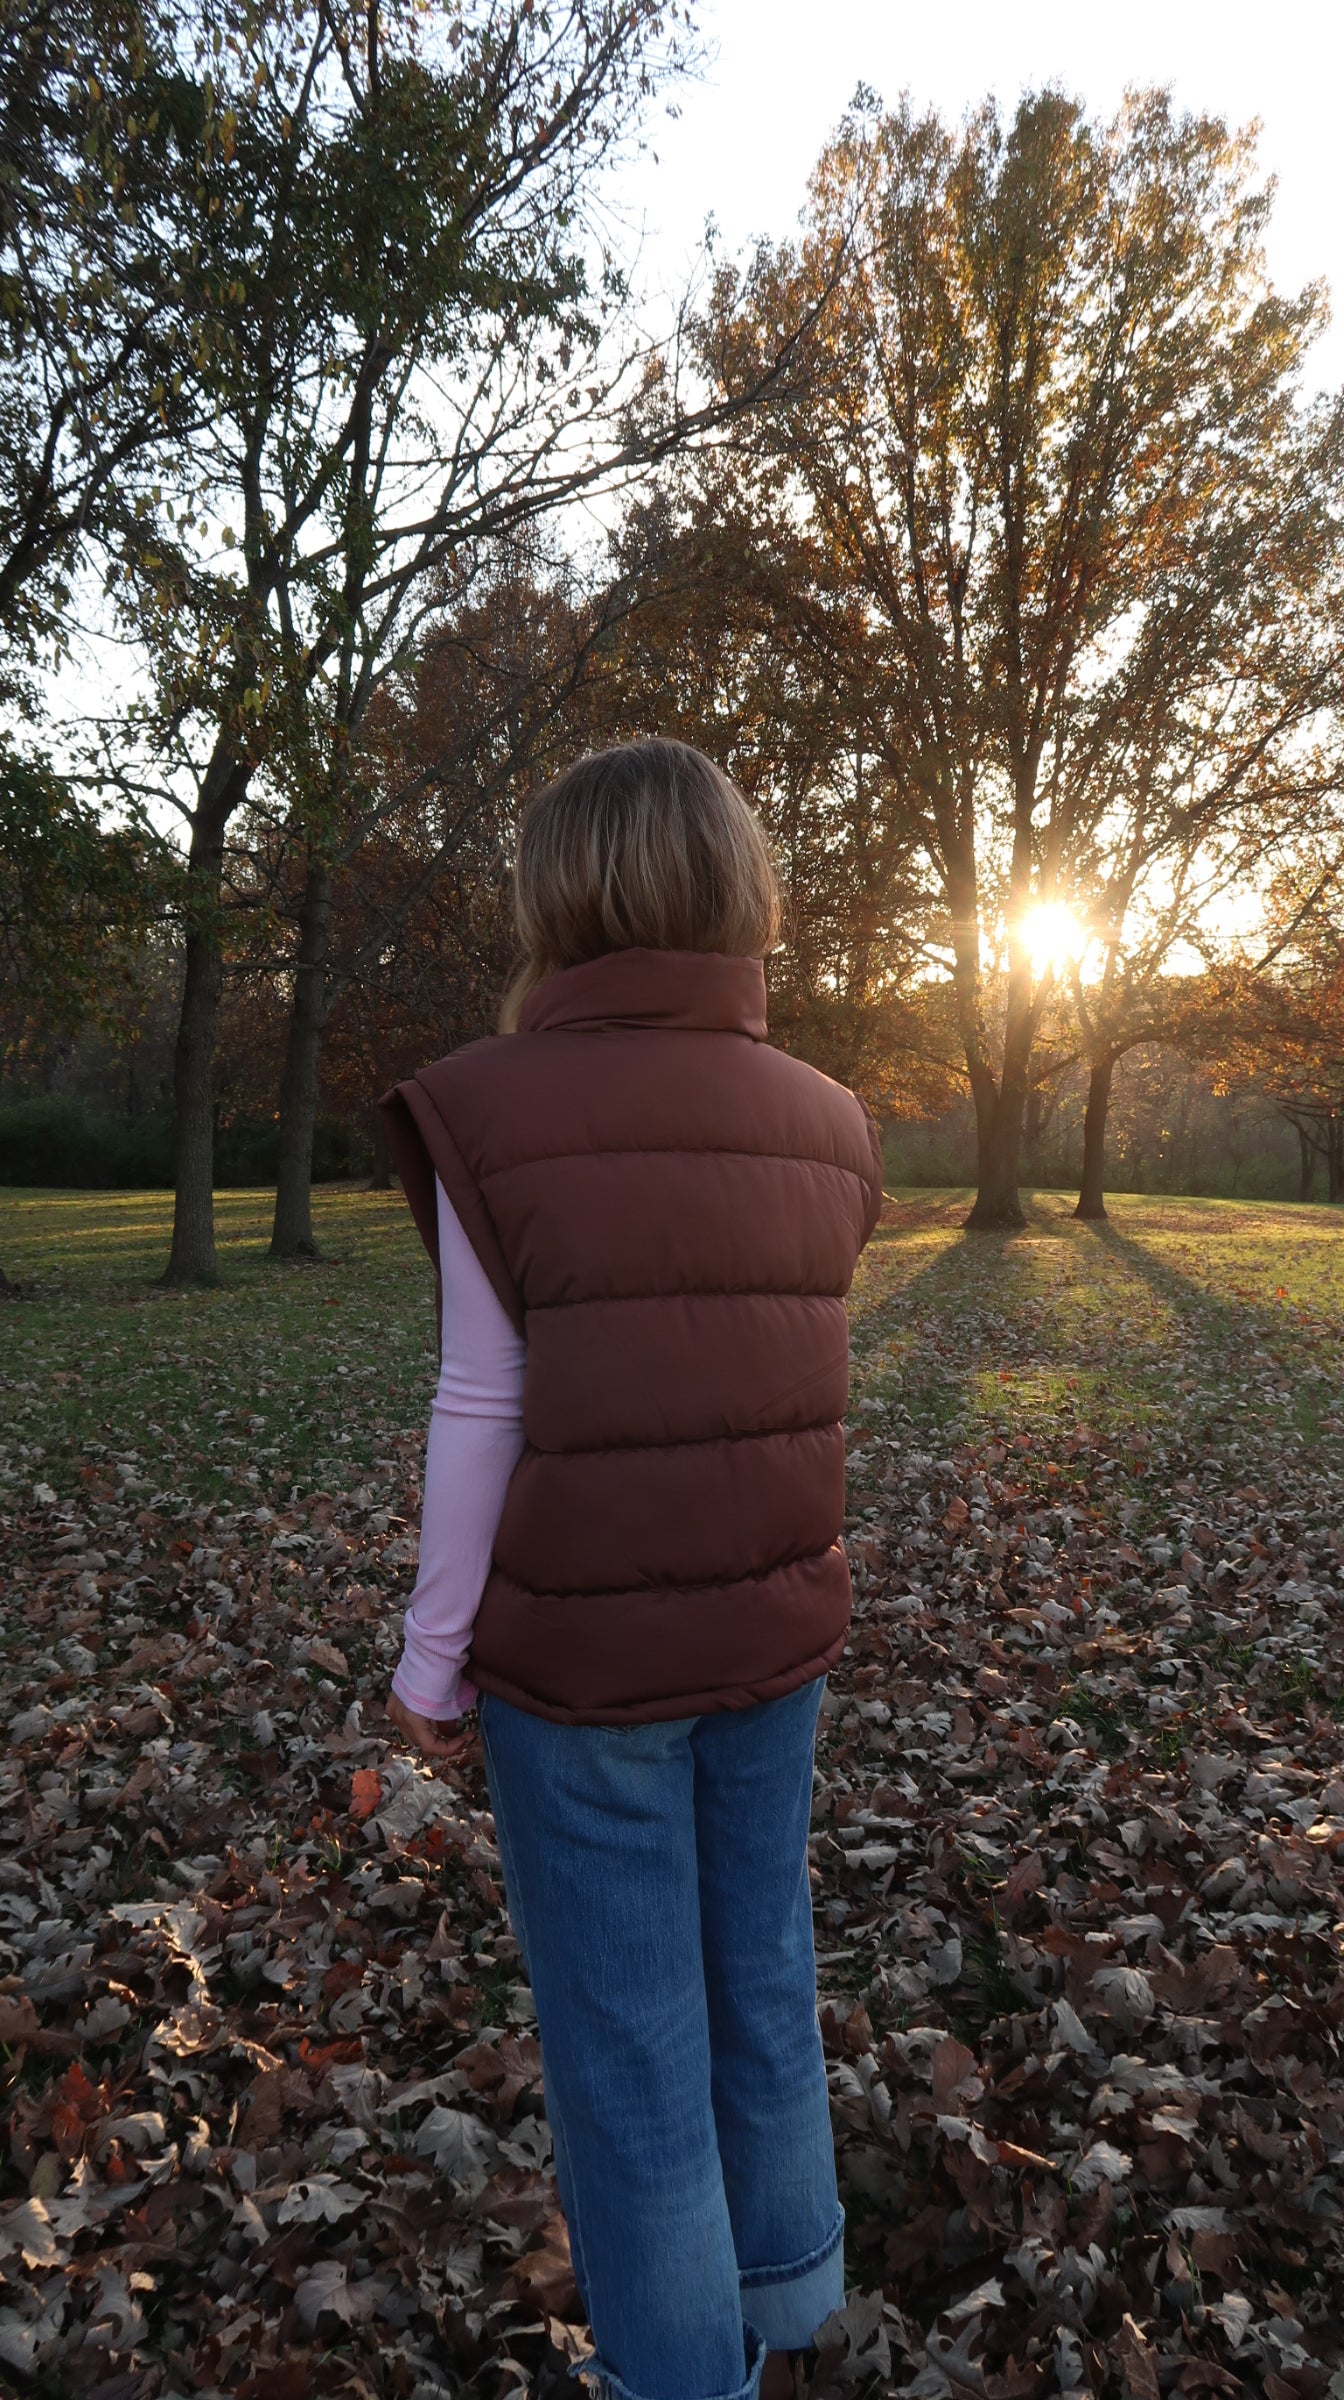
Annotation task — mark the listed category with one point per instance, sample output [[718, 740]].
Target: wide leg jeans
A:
[[657, 1886]]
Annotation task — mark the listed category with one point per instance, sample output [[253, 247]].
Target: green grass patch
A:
[[278, 1375], [1214, 1323]]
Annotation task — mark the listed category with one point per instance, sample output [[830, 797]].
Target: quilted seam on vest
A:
[[672, 1211]]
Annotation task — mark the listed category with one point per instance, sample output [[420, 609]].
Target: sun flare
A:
[[1053, 936]]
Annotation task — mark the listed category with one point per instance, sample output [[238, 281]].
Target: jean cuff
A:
[[787, 2304], [610, 2387]]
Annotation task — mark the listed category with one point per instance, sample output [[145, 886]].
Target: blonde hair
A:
[[648, 846]]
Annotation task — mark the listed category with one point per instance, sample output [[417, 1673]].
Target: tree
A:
[[1053, 375], [76, 897], [76, 900], [432, 759], [555, 407], [98, 137], [1204, 758], [418, 937], [1275, 1024], [395, 294], [1178, 844]]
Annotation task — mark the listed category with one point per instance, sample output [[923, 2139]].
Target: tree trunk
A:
[[998, 1131], [1307, 1150], [999, 1100], [191, 1259], [381, 1178], [1334, 1156], [1032, 1124], [292, 1235], [1092, 1190]]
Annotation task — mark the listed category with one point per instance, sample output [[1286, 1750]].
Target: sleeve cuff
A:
[[454, 1702]]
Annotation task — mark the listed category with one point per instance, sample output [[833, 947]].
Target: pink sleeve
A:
[[475, 1435]]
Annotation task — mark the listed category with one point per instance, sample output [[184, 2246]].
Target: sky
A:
[[784, 71]]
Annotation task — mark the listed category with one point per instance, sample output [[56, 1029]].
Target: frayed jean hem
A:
[[787, 2304], [610, 2387]]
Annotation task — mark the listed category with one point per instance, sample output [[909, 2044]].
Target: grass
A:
[[1183, 1316], [278, 1375], [1215, 1320]]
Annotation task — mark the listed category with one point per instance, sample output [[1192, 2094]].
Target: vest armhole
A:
[[423, 1148]]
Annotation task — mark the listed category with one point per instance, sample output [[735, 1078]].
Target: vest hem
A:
[[719, 1700]]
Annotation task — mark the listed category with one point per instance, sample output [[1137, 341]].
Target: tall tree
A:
[[428, 761], [417, 927], [558, 402], [1054, 374], [1201, 760], [398, 298]]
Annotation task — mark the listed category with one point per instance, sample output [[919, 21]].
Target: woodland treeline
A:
[[988, 529]]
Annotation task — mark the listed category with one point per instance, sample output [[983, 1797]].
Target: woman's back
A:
[[671, 1211]]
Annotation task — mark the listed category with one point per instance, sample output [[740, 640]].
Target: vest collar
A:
[[684, 991]]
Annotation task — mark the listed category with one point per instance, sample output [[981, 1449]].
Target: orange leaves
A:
[[318, 2056], [76, 2107], [366, 1791], [545, 2275], [21, 2030]]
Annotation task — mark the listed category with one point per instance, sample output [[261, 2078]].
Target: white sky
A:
[[785, 70]]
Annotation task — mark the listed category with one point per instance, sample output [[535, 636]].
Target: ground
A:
[[273, 2093]]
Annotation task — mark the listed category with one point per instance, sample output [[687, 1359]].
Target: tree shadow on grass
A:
[[1235, 1327], [977, 1249], [1019, 1309], [1179, 1290], [981, 1305]]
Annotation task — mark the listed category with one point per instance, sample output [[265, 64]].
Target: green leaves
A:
[[76, 898]]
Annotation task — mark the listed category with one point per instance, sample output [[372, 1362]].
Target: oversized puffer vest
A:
[[671, 1212]]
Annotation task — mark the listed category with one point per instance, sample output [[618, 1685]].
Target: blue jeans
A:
[[657, 1887]]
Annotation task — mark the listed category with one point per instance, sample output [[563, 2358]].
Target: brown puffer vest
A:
[[671, 1212]]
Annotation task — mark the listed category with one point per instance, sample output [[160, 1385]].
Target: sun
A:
[[1053, 937]]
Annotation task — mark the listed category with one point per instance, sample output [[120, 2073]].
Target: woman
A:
[[644, 1222]]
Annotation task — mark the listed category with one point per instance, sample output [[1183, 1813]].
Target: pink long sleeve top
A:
[[475, 1435]]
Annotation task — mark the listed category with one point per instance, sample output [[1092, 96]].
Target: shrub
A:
[[55, 1142]]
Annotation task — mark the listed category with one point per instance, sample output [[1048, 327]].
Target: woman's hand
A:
[[430, 1738]]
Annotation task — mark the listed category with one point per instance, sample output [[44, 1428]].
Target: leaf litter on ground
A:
[[275, 2112]]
